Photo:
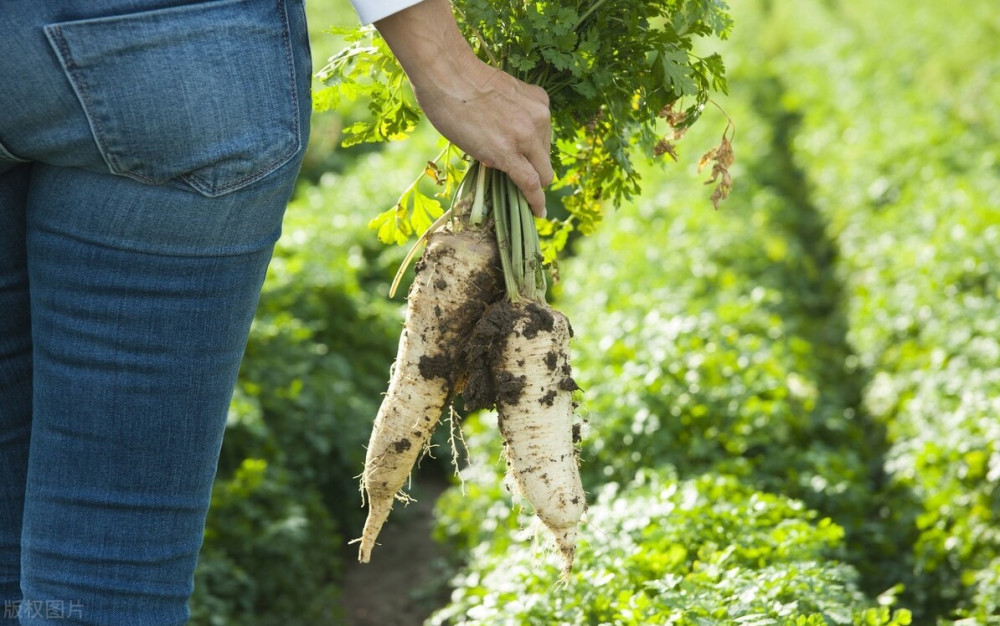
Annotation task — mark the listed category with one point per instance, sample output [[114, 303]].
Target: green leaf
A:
[[675, 69], [413, 214], [391, 229], [423, 211], [609, 66]]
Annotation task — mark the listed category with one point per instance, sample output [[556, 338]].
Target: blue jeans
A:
[[147, 151]]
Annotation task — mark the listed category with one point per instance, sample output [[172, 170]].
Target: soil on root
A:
[[486, 385], [488, 339], [509, 387], [471, 298], [437, 366]]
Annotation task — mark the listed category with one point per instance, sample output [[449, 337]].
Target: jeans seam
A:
[[7, 155]]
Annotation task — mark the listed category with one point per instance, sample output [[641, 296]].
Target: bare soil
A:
[[407, 577]]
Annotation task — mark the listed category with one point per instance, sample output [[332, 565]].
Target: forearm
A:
[[426, 41]]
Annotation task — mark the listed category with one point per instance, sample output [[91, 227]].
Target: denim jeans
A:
[[147, 151]]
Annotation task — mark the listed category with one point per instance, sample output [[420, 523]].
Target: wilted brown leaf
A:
[[432, 171], [665, 146], [721, 157], [673, 116]]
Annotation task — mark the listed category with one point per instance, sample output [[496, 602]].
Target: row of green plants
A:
[[718, 442], [789, 403], [826, 342], [911, 191]]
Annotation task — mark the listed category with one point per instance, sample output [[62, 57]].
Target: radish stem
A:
[[533, 274], [478, 213], [501, 219], [516, 238], [491, 190]]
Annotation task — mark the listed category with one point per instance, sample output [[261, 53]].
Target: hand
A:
[[498, 120]]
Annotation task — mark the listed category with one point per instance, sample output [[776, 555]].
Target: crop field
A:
[[791, 403]]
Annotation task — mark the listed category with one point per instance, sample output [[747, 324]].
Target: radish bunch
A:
[[476, 325]]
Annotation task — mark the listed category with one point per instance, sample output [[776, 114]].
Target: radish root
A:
[[477, 324], [457, 278], [519, 361]]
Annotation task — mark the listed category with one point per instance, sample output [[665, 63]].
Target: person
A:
[[147, 151]]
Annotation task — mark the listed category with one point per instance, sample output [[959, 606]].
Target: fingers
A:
[[540, 164], [530, 174], [530, 166], [517, 138], [525, 175], [501, 121]]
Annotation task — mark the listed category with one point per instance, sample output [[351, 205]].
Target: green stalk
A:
[[533, 272], [516, 238], [536, 247], [478, 213], [520, 244], [501, 219], [587, 14], [514, 227]]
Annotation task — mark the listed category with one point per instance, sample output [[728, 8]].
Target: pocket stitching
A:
[[79, 85], [201, 184]]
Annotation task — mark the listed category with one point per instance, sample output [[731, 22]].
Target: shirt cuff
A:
[[373, 10]]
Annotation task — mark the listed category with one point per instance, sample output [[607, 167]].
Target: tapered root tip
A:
[[365, 551], [566, 542], [377, 514]]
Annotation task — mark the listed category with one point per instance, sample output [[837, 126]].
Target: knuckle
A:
[[540, 94]]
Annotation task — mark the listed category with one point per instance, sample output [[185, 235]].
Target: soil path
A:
[[407, 578]]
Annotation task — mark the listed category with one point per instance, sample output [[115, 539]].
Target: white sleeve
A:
[[373, 10]]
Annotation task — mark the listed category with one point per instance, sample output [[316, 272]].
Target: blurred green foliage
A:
[[791, 404], [266, 558]]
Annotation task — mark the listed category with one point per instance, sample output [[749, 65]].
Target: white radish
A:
[[526, 348], [457, 277]]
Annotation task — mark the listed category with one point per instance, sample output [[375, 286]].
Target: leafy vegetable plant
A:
[[622, 77]]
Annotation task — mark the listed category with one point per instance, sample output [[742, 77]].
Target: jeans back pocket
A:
[[202, 93]]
